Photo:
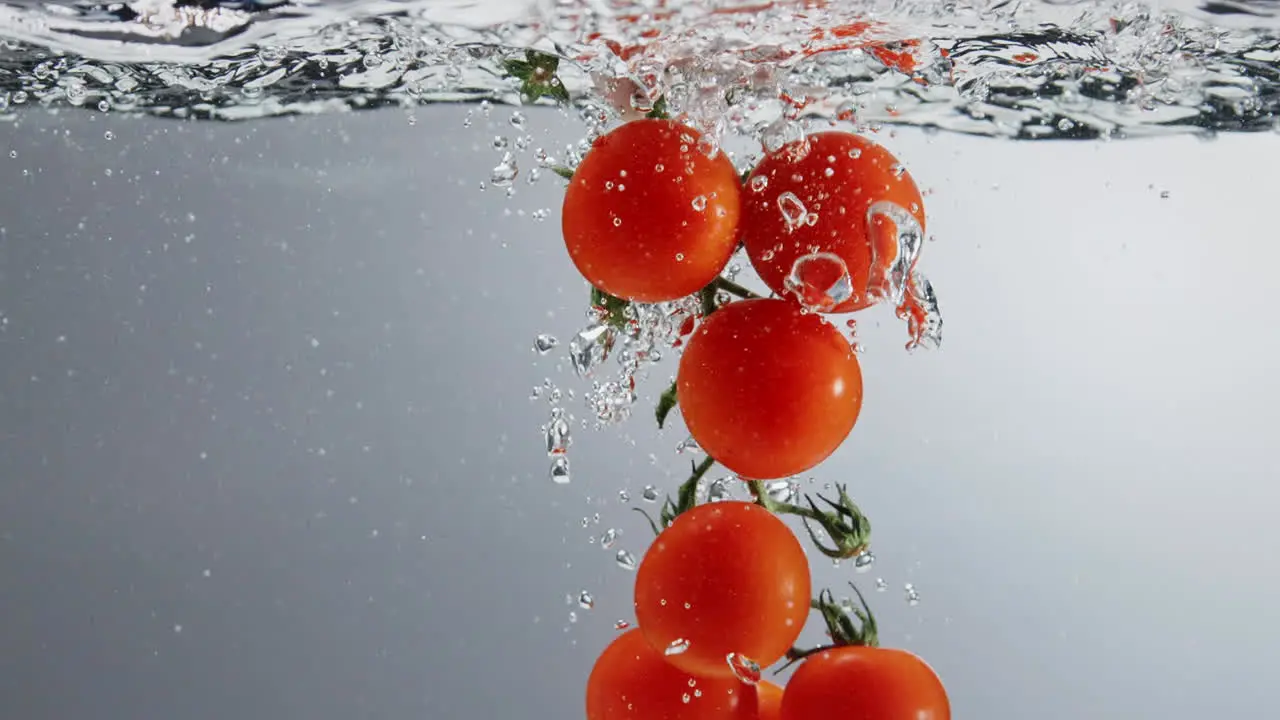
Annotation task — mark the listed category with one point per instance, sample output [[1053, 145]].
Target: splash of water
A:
[[1030, 70]]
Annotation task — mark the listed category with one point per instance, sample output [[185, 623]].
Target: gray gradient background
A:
[[268, 450]]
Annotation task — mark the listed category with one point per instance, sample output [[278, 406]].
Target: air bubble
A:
[[545, 343], [585, 601], [560, 470], [505, 172], [912, 595], [700, 203], [820, 281], [677, 646], [896, 237], [746, 669], [625, 560], [609, 538], [759, 183], [793, 210], [650, 494], [863, 561]]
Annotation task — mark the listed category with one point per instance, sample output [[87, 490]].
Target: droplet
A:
[[677, 646], [913, 596], [783, 491], [700, 203], [650, 494], [793, 211], [863, 562], [545, 343], [585, 601], [746, 669], [820, 281], [560, 470], [625, 560]]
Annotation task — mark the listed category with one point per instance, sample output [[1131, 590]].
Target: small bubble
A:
[[560, 470], [518, 120], [863, 561], [759, 183], [609, 538], [1164, 194], [545, 344], [650, 494], [677, 646], [881, 584], [659, 167], [108, 135], [783, 491], [624, 496], [793, 210], [505, 172], [500, 142], [913, 596], [679, 257], [625, 560], [104, 105], [700, 203], [621, 625], [855, 153], [585, 601], [688, 445]]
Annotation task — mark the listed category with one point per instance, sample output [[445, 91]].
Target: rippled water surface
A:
[[1032, 69]]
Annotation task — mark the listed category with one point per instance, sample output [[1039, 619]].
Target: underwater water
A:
[[303, 412]]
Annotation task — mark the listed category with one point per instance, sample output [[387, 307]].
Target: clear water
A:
[[1034, 69]]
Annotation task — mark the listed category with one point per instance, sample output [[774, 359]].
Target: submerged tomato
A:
[[631, 681], [649, 215], [865, 683], [767, 390], [812, 196], [725, 577], [769, 700]]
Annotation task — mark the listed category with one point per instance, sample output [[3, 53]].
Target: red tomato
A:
[[768, 390], [769, 700], [865, 683], [631, 681], [648, 216], [813, 196], [725, 577]]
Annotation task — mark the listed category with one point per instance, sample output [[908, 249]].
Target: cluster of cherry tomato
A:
[[769, 389]]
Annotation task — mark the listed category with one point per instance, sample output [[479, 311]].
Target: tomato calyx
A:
[[848, 529], [686, 497], [840, 626], [659, 111], [612, 310], [537, 76]]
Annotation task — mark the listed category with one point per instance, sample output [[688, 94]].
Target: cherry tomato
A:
[[812, 196], [648, 216], [725, 577], [866, 683], [631, 681], [769, 700], [768, 390]]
